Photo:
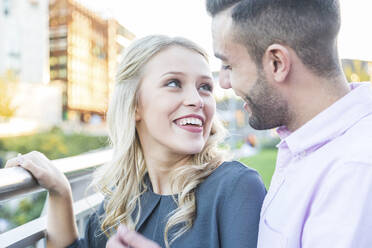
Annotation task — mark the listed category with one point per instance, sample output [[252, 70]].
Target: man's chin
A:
[[257, 124]]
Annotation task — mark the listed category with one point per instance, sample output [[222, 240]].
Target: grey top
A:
[[228, 205]]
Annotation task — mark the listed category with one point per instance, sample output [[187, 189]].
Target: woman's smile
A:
[[191, 123]]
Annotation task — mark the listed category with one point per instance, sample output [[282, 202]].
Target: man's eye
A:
[[206, 87], [226, 67], [174, 83]]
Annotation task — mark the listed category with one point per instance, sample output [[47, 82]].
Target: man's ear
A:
[[277, 62]]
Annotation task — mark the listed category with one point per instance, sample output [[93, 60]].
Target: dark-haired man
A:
[[281, 59]]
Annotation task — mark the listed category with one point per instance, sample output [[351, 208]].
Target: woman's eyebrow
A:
[[172, 73], [206, 77], [183, 74]]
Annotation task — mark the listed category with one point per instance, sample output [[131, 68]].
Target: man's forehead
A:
[[221, 23], [221, 34]]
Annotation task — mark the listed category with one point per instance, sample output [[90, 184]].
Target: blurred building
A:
[[24, 39], [84, 50], [38, 107], [357, 70]]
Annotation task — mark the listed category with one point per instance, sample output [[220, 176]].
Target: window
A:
[[6, 5], [62, 73], [53, 61], [53, 74], [62, 60]]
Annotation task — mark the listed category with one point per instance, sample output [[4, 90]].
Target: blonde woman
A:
[[167, 179]]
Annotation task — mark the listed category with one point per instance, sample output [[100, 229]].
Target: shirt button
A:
[[301, 155]]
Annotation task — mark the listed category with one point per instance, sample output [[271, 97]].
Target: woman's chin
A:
[[191, 149]]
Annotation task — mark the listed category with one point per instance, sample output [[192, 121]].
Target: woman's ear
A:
[[277, 60]]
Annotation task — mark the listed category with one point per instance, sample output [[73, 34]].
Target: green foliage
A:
[[8, 89], [222, 146], [28, 209], [264, 163], [54, 144], [239, 144], [269, 143]]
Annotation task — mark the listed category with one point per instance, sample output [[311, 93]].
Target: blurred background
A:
[[58, 60]]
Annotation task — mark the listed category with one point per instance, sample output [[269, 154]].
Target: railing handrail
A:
[[18, 181]]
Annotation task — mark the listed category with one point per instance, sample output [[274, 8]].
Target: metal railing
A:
[[16, 182]]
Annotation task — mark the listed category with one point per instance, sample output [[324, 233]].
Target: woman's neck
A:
[[160, 169]]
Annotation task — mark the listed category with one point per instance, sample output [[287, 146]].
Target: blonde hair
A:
[[122, 180]]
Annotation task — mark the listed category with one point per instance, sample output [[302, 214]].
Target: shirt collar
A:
[[331, 122]]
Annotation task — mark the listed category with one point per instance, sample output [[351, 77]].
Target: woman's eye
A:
[[206, 87], [174, 83]]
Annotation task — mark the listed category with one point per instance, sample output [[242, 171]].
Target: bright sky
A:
[[355, 39], [188, 18]]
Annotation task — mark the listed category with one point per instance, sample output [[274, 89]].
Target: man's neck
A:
[[314, 96]]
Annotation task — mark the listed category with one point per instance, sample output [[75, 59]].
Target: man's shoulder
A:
[[356, 142]]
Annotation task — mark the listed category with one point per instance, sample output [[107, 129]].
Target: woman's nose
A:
[[193, 99]]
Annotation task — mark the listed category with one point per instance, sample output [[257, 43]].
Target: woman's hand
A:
[[125, 238], [61, 227], [46, 174]]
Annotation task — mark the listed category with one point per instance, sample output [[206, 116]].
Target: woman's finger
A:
[[35, 170], [36, 157], [134, 239], [13, 162], [115, 242]]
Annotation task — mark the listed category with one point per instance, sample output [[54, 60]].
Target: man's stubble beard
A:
[[269, 109]]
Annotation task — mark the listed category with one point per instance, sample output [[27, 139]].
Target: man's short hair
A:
[[309, 27]]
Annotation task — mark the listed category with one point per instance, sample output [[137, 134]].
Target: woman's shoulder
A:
[[95, 218], [231, 175], [233, 170]]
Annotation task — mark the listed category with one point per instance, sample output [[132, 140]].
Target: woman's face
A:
[[176, 104]]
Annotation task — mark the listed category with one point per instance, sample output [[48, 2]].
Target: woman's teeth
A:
[[188, 121]]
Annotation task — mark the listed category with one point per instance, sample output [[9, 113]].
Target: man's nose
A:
[[224, 79]]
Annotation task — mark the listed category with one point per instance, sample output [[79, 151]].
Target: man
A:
[[281, 57]]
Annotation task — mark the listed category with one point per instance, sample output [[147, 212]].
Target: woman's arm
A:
[[240, 212], [61, 227]]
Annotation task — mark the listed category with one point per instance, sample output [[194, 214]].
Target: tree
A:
[[8, 90]]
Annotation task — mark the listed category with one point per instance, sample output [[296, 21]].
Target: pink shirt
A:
[[321, 192]]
